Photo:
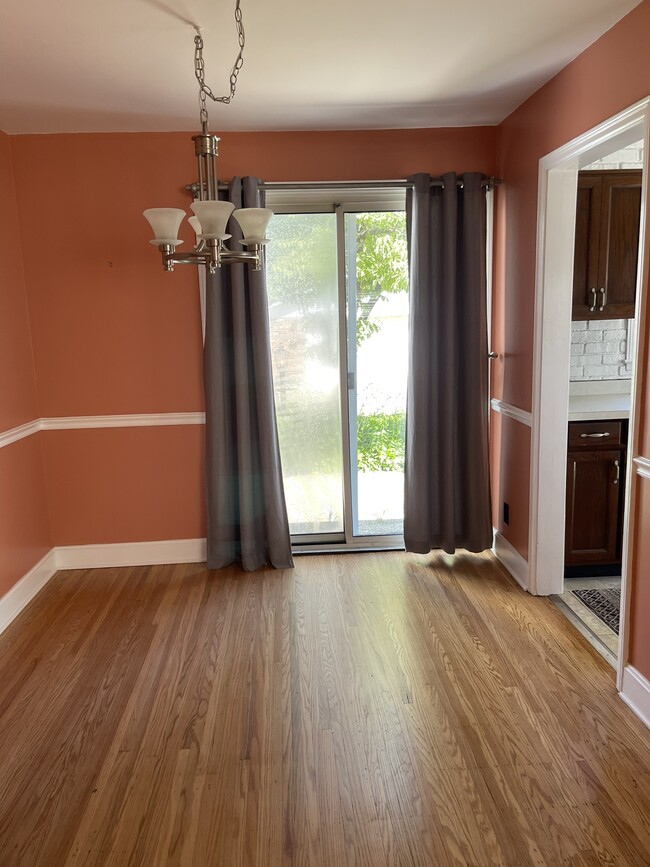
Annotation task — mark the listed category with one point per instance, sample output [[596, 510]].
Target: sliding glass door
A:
[[377, 323], [303, 302], [338, 300]]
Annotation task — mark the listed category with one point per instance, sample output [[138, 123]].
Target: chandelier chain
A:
[[199, 68]]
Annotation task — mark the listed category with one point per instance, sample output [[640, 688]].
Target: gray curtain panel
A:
[[447, 483], [246, 510]]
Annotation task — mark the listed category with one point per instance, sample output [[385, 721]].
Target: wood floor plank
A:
[[361, 710]]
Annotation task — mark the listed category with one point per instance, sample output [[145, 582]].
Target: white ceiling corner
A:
[[127, 65]]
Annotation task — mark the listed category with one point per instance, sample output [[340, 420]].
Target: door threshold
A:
[[584, 630], [345, 548]]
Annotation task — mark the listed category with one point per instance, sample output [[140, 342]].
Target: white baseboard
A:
[[509, 557], [22, 593], [96, 557], [131, 554], [635, 692]]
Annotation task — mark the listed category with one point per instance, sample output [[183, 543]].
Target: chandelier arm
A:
[[212, 257]]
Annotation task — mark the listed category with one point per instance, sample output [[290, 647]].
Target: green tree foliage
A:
[[381, 260], [380, 442], [302, 262], [302, 279]]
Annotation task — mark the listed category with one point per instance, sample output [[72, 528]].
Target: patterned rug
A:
[[605, 604]]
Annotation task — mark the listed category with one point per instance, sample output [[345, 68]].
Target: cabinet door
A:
[[608, 210], [619, 243], [594, 481], [585, 262]]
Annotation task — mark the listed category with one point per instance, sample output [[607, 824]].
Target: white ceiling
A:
[[127, 65]]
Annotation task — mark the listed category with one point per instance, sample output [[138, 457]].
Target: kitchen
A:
[[603, 333]]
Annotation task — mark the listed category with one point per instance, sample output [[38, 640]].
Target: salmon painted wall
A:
[[24, 528], [639, 648], [114, 334], [606, 78], [18, 397], [24, 522], [125, 484]]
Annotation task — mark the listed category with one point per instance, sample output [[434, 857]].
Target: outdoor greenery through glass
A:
[[381, 261], [304, 311]]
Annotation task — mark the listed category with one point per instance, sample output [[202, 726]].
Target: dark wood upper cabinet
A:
[[606, 244]]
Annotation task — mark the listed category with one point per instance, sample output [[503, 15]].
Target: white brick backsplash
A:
[[598, 349], [601, 371]]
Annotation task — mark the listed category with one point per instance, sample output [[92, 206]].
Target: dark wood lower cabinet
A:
[[595, 493], [593, 506]]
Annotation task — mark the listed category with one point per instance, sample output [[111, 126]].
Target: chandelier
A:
[[210, 215]]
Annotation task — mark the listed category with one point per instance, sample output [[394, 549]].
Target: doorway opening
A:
[[581, 444]]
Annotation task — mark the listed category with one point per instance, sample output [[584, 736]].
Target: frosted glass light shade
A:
[[253, 223], [213, 217], [165, 223], [194, 223]]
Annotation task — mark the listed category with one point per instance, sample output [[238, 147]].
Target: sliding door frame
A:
[[340, 202]]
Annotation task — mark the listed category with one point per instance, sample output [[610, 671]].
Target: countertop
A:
[[588, 407]]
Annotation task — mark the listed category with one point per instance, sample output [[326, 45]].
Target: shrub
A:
[[380, 442]]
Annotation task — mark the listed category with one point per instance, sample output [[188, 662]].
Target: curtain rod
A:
[[362, 185], [490, 183]]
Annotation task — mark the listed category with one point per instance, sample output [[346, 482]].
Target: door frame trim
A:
[[551, 350]]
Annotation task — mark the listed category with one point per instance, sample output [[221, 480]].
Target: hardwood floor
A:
[[361, 710]]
